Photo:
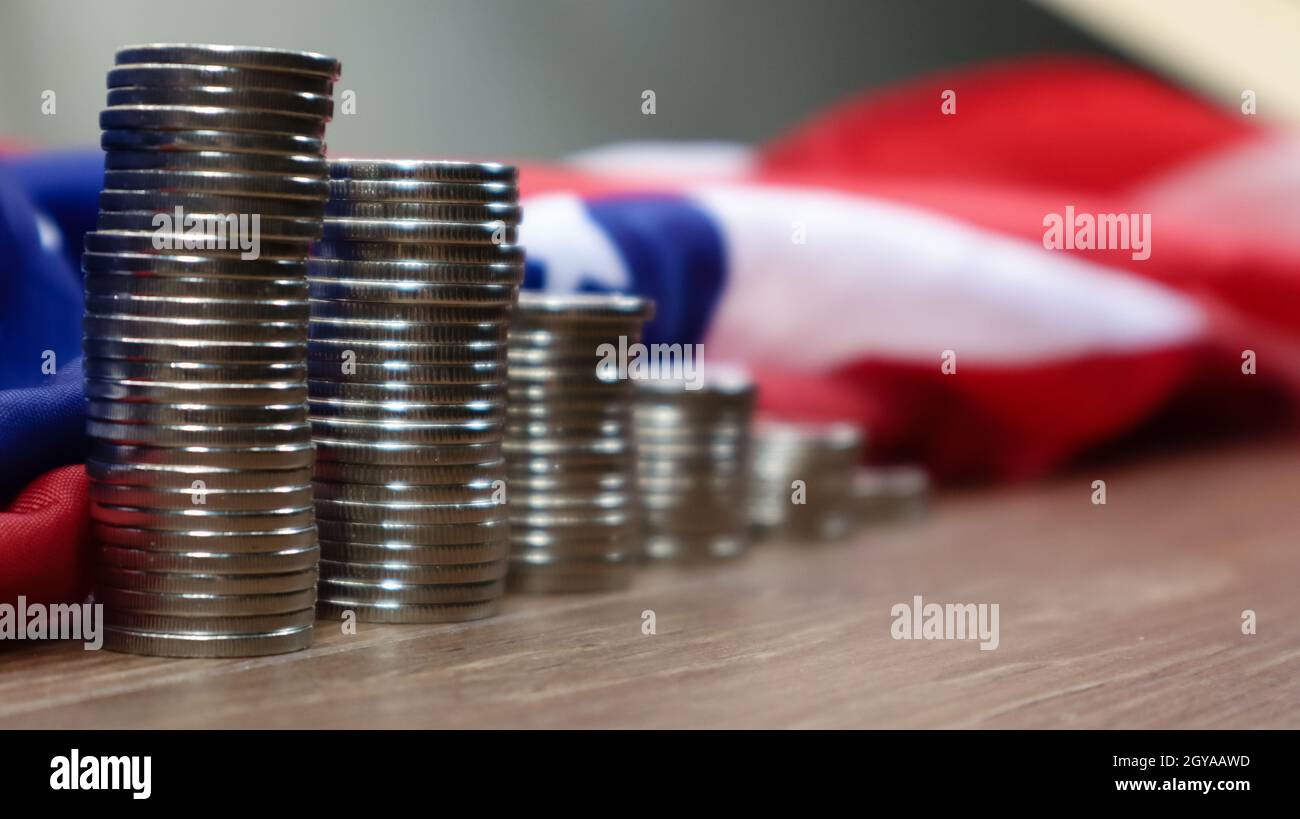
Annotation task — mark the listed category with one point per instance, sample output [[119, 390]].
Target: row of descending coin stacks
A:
[[195, 340], [570, 443], [693, 442], [802, 481], [412, 288]]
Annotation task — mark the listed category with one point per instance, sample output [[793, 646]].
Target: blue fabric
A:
[[675, 254], [47, 202], [41, 427]]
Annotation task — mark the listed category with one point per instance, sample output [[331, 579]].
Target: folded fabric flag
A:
[[892, 261], [848, 260]]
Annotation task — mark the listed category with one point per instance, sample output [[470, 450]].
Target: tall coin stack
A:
[[412, 287], [570, 443], [803, 479], [195, 340], [693, 455]]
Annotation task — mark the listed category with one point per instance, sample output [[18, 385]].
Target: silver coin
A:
[[403, 553], [397, 454], [193, 583], [408, 432], [477, 491], [177, 392], [223, 563], [400, 392], [340, 591], [405, 412], [166, 201], [408, 331], [296, 103], [372, 474], [235, 183], [208, 646], [430, 211], [173, 371], [476, 539], [193, 351], [203, 540], [423, 170], [233, 227], [184, 476], [413, 251], [270, 59], [407, 613], [595, 307], [170, 624], [207, 242], [214, 498], [510, 274], [194, 329], [212, 140], [205, 118], [410, 190], [129, 304], [339, 352], [180, 264], [173, 520], [408, 511], [143, 283], [291, 164], [410, 230], [475, 372], [176, 75], [379, 312], [204, 605], [422, 293], [403, 573], [284, 456]]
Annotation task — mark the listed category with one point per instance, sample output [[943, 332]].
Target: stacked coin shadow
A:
[[802, 480], [570, 443], [195, 327], [412, 287], [693, 463]]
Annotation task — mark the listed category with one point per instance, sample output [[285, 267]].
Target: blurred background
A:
[[532, 79]]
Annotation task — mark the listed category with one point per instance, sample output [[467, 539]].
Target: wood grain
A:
[[1123, 615]]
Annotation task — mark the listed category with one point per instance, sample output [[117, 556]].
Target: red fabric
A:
[[44, 535]]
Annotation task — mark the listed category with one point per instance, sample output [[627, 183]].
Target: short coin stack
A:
[[195, 338], [570, 443], [693, 455], [412, 287], [802, 480]]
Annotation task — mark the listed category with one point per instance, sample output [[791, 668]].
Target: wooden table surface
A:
[[1123, 615]]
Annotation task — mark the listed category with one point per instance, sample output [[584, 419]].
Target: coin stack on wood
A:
[[802, 479], [570, 443], [412, 287], [195, 339], [693, 458]]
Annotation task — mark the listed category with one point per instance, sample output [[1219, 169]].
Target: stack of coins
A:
[[195, 338], [887, 494], [412, 288], [802, 479], [693, 457], [570, 444]]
